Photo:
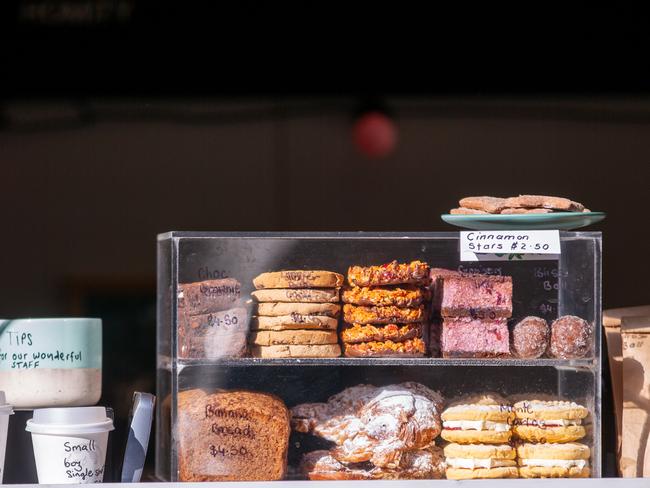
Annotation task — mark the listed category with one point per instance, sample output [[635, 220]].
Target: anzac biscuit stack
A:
[[297, 314], [385, 310]]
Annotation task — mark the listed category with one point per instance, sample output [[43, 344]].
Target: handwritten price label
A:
[[509, 245]]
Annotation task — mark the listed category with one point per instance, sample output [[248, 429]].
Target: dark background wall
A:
[[85, 200]]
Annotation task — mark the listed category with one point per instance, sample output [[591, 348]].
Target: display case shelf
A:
[[577, 364]]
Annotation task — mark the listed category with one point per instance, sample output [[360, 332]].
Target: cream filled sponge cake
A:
[[485, 461], [570, 460], [549, 421], [486, 419]]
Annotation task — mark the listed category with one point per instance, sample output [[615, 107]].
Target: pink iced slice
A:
[[468, 337]]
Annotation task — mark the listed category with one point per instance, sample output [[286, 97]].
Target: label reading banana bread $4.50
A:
[[234, 432], [231, 436]]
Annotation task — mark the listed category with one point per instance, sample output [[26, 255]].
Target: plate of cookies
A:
[[524, 212]]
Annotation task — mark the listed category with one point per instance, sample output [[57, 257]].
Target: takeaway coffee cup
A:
[[70, 444], [5, 411]]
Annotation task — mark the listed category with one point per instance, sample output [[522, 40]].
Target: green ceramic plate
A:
[[559, 220]]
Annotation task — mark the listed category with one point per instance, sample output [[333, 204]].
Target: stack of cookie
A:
[[547, 431], [385, 310], [479, 431], [297, 314], [212, 321], [522, 204]]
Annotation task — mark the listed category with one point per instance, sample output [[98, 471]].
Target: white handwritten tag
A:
[[508, 245]]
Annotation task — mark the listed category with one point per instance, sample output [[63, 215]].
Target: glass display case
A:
[[353, 355]]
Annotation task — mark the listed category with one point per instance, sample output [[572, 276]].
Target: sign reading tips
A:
[[509, 245]]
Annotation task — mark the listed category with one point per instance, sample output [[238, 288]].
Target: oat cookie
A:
[[297, 351], [294, 321], [274, 338], [301, 295], [298, 279], [280, 309]]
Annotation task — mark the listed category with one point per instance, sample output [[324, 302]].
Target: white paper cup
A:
[[70, 444], [5, 411]]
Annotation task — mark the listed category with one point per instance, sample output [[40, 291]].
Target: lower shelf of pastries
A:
[[398, 431]]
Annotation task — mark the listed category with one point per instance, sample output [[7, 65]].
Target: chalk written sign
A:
[[509, 245]]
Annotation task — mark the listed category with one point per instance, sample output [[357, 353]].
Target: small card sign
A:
[[508, 245]]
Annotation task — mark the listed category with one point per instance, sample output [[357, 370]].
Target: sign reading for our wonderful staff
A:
[[508, 245]]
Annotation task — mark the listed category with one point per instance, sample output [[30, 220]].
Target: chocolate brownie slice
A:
[[208, 296]]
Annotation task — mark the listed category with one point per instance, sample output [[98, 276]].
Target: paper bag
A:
[[635, 448], [612, 328]]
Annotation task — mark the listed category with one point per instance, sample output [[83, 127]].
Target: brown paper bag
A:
[[635, 448], [612, 327]]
